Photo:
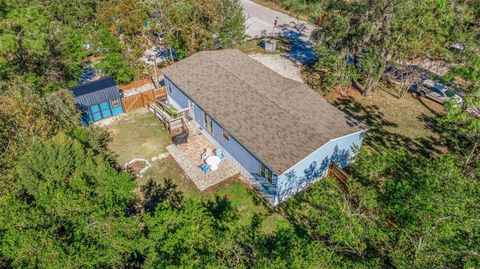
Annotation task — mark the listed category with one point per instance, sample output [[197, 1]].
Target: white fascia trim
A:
[[315, 151]]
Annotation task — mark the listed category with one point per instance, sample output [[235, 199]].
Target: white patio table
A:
[[213, 161]]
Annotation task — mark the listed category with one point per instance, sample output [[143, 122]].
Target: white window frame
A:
[[117, 101], [225, 135], [266, 173]]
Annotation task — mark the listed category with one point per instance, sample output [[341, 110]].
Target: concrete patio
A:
[[188, 156]]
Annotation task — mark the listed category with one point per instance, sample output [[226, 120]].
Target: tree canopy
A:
[[66, 203], [381, 33]]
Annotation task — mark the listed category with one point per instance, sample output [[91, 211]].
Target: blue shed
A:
[[98, 99], [279, 133]]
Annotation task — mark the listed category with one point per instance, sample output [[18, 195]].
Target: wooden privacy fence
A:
[[338, 173], [143, 99]]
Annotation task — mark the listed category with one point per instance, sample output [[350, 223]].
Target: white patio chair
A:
[[208, 152]]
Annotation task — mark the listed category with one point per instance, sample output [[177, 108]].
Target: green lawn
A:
[[138, 135], [141, 135], [393, 122], [253, 46], [239, 194]]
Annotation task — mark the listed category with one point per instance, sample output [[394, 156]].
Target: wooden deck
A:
[[175, 125]]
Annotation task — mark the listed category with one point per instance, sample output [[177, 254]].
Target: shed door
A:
[[106, 111], [95, 112]]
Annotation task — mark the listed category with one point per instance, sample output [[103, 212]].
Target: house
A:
[[98, 99], [278, 132]]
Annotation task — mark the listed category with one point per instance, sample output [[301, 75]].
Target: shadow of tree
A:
[[222, 211], [301, 49], [422, 101], [299, 180], [379, 138], [156, 193]]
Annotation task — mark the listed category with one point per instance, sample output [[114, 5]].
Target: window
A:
[[208, 122], [169, 87], [449, 93], [226, 135], [115, 102], [266, 173]]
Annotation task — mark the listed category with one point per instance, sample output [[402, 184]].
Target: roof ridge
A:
[[260, 93], [287, 110]]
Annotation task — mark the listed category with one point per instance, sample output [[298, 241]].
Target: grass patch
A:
[[168, 168], [138, 135], [407, 122], [239, 194], [141, 135], [280, 8], [255, 46]]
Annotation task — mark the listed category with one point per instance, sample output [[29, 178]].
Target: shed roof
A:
[[95, 92], [281, 121]]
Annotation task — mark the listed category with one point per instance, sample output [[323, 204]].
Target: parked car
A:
[[457, 47], [394, 76], [436, 91]]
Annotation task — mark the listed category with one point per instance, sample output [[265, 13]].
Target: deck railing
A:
[[173, 120]]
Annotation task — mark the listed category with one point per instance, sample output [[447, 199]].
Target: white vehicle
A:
[[436, 91]]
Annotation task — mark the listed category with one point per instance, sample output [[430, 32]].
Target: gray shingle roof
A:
[[279, 120]]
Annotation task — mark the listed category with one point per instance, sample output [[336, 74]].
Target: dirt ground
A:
[[393, 122]]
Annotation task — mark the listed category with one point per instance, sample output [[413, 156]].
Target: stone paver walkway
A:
[[188, 156]]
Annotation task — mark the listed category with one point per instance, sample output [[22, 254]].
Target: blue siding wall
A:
[[117, 110], [233, 147], [86, 118], [176, 97], [109, 111], [312, 168], [315, 166]]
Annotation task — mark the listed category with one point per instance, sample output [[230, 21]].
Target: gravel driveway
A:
[[279, 64]]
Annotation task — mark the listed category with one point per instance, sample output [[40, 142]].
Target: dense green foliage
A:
[[52, 43], [65, 203], [397, 210], [193, 25], [381, 33], [68, 209]]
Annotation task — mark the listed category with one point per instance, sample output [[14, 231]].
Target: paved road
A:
[[260, 18], [260, 23]]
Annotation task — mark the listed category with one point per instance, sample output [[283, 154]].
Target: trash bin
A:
[[270, 45], [180, 138]]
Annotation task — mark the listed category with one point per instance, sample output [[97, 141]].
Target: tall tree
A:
[[377, 33], [69, 208], [190, 26], [428, 205]]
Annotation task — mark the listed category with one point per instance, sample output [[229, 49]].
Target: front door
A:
[[96, 114], [191, 109], [106, 111]]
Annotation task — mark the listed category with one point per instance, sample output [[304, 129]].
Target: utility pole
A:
[[155, 68]]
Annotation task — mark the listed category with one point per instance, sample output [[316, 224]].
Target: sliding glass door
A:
[[208, 122]]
